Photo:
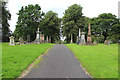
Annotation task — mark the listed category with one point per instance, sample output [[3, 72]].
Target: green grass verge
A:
[[16, 58], [101, 61]]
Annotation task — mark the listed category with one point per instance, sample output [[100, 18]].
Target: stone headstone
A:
[[50, 39], [28, 39], [82, 40], [107, 42], [21, 41], [43, 38], [71, 39], [37, 40], [47, 39], [11, 40], [79, 36]]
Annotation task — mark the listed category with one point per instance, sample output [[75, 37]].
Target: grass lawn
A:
[[16, 58], [101, 61]]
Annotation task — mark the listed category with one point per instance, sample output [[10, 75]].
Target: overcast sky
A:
[[91, 8]]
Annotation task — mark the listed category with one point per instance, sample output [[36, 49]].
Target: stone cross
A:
[[11, 41], [21, 41]]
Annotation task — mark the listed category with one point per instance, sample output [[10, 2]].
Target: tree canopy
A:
[[28, 21], [6, 16], [104, 25], [73, 19], [50, 25]]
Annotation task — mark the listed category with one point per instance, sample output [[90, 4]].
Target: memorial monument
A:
[[89, 38], [11, 40], [37, 40], [21, 41], [82, 40]]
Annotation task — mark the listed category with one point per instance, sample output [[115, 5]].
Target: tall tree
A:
[[5, 25], [105, 24], [50, 25], [73, 19], [28, 21]]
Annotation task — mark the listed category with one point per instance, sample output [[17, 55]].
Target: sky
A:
[[91, 8]]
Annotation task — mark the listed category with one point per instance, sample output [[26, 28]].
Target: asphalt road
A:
[[59, 62]]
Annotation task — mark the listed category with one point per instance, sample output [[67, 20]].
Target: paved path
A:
[[59, 62]]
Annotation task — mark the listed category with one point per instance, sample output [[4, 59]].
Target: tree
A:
[[73, 19], [5, 25], [105, 24], [50, 25], [28, 21]]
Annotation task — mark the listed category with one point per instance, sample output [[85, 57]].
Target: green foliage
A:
[[15, 59], [105, 24], [28, 21], [5, 25], [50, 25], [101, 61], [73, 19]]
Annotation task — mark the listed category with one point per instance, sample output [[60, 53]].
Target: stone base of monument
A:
[[12, 44]]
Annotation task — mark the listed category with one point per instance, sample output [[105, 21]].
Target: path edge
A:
[[81, 64], [30, 66]]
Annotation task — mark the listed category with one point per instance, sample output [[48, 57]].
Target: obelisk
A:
[[89, 39]]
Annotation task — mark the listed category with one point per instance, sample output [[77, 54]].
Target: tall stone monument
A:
[[89, 39], [37, 40], [11, 40], [21, 41], [79, 36], [82, 40], [71, 39]]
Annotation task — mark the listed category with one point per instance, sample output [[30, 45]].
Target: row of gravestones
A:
[[81, 38], [38, 39]]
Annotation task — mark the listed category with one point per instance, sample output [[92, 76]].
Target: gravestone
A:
[[21, 41], [37, 40], [28, 39], [11, 40], [107, 42], [79, 36], [50, 39], [82, 40], [47, 39], [89, 38], [43, 38], [71, 39]]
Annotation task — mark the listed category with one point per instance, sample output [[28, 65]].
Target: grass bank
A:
[[16, 58], [101, 61]]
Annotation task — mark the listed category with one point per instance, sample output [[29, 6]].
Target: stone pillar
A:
[[71, 38], [89, 39], [11, 40], [47, 39]]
